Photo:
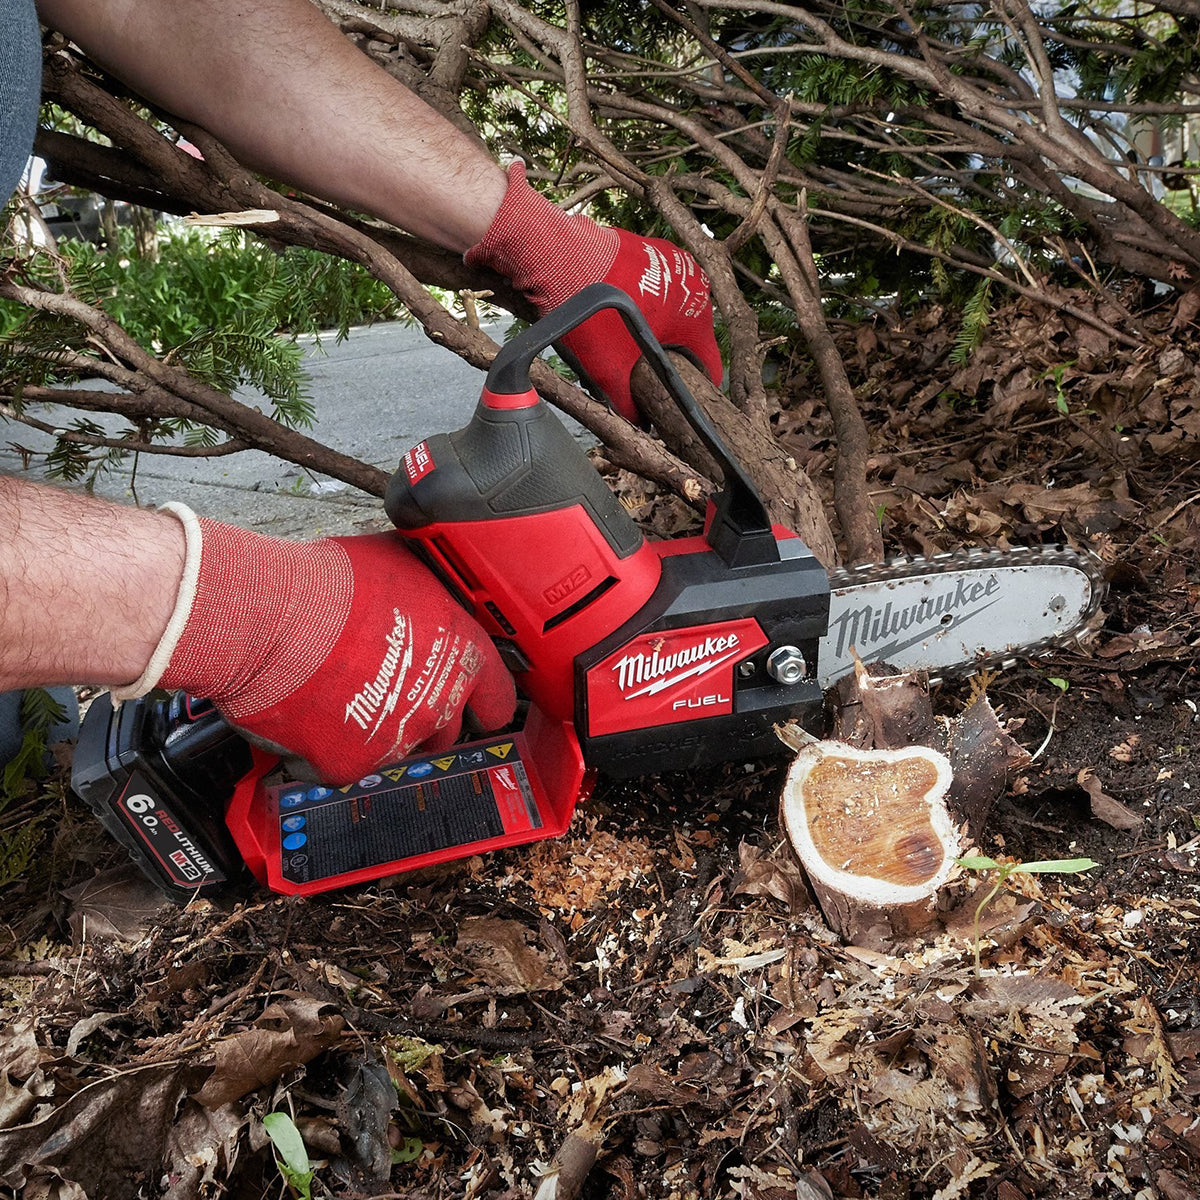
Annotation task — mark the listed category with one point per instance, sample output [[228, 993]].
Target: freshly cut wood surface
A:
[[871, 825]]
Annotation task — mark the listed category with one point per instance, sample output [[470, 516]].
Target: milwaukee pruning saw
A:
[[632, 656]]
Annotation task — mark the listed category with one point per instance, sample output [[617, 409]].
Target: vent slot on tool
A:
[[579, 605], [452, 565], [500, 618]]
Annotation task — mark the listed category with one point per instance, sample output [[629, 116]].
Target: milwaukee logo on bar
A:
[[869, 624]]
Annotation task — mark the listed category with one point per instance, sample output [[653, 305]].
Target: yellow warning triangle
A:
[[501, 751], [445, 763], [395, 774]]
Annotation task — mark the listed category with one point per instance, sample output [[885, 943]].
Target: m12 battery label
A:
[[141, 808]]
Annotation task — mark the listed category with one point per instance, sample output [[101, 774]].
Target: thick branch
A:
[[790, 497], [851, 499]]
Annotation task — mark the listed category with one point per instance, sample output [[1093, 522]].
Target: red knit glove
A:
[[345, 651], [550, 256]]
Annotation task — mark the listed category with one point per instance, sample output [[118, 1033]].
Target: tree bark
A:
[[790, 497], [145, 234]]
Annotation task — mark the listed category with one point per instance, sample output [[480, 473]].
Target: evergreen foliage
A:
[[20, 838], [226, 307]]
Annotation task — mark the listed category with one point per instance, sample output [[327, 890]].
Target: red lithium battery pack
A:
[[302, 838]]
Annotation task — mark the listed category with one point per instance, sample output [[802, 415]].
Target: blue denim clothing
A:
[[12, 732], [20, 88]]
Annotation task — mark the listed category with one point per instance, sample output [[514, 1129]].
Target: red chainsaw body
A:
[[631, 655], [545, 586]]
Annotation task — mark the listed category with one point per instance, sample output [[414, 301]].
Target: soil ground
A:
[[652, 1006]]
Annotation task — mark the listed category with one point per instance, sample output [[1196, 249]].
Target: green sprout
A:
[[1051, 866], [1058, 373], [409, 1150], [291, 1157]]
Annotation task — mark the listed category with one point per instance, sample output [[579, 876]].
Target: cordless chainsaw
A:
[[632, 656]]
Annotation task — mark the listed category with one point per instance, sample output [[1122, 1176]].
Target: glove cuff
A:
[[547, 254], [193, 540]]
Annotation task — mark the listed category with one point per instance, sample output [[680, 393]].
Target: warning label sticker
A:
[[414, 808]]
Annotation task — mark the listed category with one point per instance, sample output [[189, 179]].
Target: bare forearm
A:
[[285, 91], [86, 587]]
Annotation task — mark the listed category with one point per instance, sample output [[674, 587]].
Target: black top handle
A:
[[740, 530]]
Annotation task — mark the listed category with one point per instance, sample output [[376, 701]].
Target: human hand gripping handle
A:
[[345, 651], [550, 256]]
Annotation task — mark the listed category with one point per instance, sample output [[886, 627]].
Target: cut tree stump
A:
[[875, 815], [872, 831]]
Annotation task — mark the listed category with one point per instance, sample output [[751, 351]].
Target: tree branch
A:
[[79, 438]]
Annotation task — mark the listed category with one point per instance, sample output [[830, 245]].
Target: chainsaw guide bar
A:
[[961, 612]]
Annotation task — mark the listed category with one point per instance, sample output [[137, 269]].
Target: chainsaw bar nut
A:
[[786, 665]]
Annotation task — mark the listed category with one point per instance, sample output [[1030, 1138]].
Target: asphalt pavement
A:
[[376, 394]]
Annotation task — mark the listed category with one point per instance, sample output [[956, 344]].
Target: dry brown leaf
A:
[[1011, 394], [832, 1040], [498, 952], [1186, 418], [812, 1185], [647, 1080], [121, 904], [18, 1099], [53, 1189], [1107, 809], [104, 1137], [967, 512], [585, 1101], [201, 1148], [287, 1035], [1036, 1063], [1173, 1187], [1185, 1044], [1187, 309], [959, 1061], [20, 1054], [775, 874], [1007, 1190], [1182, 1045], [998, 994], [1083, 502], [1158, 1052], [85, 1027]]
